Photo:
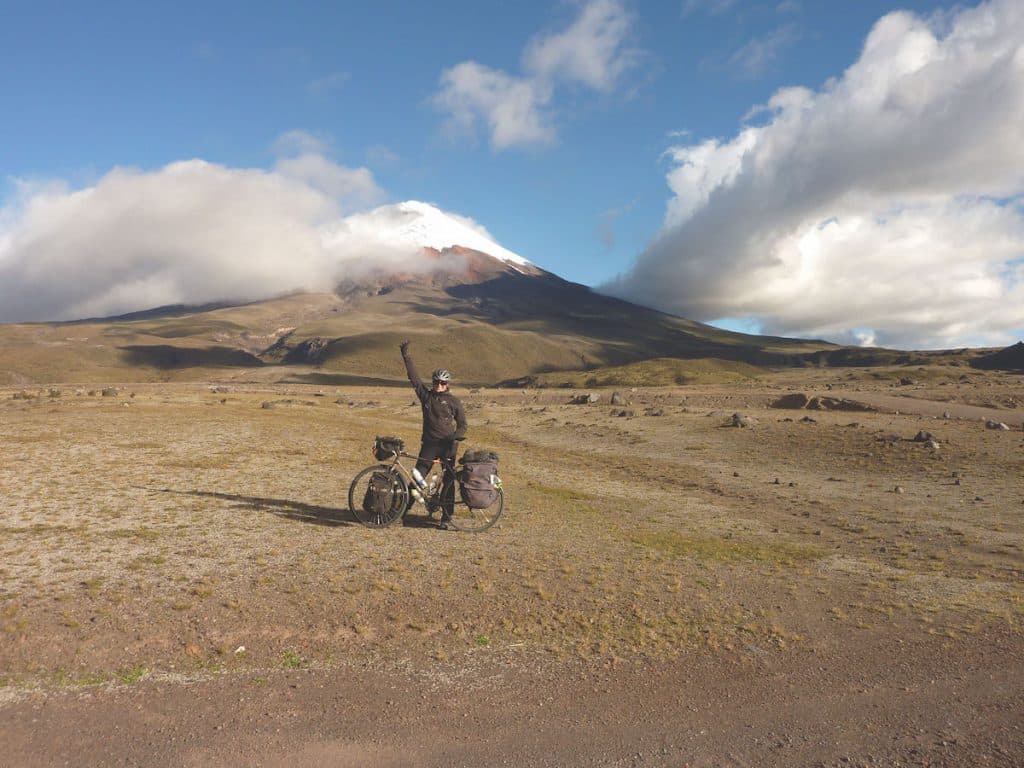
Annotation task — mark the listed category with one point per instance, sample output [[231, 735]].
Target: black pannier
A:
[[385, 448], [478, 479], [380, 498]]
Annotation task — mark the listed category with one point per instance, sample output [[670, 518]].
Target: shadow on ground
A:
[[293, 510]]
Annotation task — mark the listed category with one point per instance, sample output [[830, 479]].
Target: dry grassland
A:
[[177, 530]]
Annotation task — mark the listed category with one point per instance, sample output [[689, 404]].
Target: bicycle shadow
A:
[[292, 510]]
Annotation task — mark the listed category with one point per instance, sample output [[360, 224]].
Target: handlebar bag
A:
[[385, 448]]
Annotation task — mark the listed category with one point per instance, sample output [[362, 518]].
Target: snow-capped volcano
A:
[[413, 225]]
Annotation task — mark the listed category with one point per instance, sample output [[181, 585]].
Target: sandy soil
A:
[[182, 583]]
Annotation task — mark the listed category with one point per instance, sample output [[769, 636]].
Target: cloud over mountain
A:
[[515, 109], [194, 232], [887, 205]]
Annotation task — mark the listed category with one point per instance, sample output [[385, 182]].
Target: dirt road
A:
[[879, 702]]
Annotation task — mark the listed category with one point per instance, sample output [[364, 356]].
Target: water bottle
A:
[[418, 478]]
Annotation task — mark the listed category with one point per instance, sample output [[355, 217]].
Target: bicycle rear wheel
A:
[[473, 520], [357, 494]]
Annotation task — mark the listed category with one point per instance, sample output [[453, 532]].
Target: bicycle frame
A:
[[438, 479]]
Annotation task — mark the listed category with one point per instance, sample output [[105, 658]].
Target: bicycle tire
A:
[[357, 490], [472, 520]]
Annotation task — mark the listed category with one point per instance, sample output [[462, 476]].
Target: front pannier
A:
[[379, 499], [385, 448], [478, 479]]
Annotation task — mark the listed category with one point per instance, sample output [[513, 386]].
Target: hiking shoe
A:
[[446, 525]]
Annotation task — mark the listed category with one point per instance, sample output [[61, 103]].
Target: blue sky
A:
[[90, 87]]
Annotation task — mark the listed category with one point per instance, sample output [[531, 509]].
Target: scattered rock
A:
[[947, 415], [109, 392], [739, 420], [618, 399], [906, 382], [585, 399], [267, 404], [218, 390], [654, 412], [55, 393], [990, 424], [923, 437], [898, 489], [932, 445], [624, 413], [23, 395], [808, 420]]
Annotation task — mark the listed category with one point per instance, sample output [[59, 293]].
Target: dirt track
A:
[[876, 702], [182, 584]]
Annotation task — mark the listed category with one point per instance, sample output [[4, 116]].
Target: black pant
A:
[[432, 449]]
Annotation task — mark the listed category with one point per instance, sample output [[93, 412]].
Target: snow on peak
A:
[[421, 225]]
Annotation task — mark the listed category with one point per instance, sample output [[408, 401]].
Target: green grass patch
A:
[[130, 675], [726, 550], [291, 660]]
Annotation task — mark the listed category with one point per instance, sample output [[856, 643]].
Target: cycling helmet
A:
[[442, 374]]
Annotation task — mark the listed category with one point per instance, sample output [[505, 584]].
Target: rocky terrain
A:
[[812, 566]]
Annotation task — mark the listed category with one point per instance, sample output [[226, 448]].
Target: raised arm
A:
[[410, 370]]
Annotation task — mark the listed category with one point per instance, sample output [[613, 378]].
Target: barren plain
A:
[[181, 582]]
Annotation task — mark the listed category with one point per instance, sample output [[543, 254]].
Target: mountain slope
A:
[[495, 320]]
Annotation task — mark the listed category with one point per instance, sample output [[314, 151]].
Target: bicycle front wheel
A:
[[473, 520], [377, 513]]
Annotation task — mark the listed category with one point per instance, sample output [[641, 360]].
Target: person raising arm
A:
[[444, 423]]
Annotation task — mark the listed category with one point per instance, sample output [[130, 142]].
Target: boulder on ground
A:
[[109, 392], [584, 399], [793, 401], [991, 424], [923, 437], [618, 399]]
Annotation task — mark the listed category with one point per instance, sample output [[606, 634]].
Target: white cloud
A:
[[589, 52], [194, 232], [515, 109], [888, 205], [299, 142], [510, 106], [758, 55], [350, 187], [328, 84], [713, 7]]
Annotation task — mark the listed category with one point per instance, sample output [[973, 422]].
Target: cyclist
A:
[[444, 423]]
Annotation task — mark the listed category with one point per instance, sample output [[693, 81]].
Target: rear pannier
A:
[[385, 448], [382, 495], [478, 479]]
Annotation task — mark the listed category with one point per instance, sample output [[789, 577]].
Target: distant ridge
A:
[[1009, 359]]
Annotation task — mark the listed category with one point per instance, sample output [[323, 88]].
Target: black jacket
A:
[[444, 418]]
